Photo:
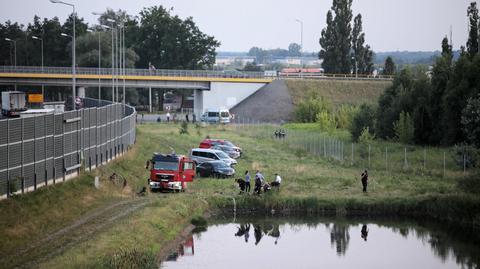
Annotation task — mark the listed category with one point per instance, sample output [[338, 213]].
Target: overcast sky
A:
[[414, 25]]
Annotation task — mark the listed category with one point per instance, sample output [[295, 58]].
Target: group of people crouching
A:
[[260, 183]]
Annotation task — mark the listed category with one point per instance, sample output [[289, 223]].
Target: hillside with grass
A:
[[352, 92], [80, 226]]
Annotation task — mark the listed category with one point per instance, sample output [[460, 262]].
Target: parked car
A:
[[206, 155], [231, 152], [209, 143], [217, 169]]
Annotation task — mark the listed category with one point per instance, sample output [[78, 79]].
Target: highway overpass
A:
[[212, 89]]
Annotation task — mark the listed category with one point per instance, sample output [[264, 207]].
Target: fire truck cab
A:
[[170, 172]]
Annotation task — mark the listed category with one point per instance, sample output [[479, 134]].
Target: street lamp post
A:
[[113, 59], [15, 54], [14, 49], [99, 63], [73, 50], [356, 66], [41, 40]]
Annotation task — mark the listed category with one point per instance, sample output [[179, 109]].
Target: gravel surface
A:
[[272, 103]]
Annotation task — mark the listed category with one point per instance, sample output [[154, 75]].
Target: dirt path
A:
[[80, 230]]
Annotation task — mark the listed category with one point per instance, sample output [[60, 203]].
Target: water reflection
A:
[[401, 245], [340, 238], [187, 248], [364, 232]]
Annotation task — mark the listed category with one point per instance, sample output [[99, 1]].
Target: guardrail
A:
[[46, 149], [131, 72]]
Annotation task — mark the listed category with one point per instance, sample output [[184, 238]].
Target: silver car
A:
[[230, 151], [206, 155]]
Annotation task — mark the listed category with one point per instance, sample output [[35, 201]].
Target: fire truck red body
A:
[[170, 172]]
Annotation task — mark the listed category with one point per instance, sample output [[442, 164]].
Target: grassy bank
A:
[[310, 185], [338, 91]]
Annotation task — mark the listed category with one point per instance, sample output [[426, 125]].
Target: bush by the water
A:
[[470, 184], [130, 259], [199, 221]]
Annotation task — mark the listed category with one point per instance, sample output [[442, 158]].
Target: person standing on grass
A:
[[258, 182], [276, 183], [365, 180], [247, 182], [168, 116]]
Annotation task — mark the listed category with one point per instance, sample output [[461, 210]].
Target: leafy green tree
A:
[[404, 130], [471, 121], [366, 137], [472, 43], [327, 42], [172, 43], [344, 116], [327, 122], [362, 56], [389, 68], [308, 110], [294, 50], [252, 67], [365, 118]]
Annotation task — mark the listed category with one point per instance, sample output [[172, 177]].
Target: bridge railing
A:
[[131, 72]]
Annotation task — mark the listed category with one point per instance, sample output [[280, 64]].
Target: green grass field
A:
[[338, 91], [310, 183]]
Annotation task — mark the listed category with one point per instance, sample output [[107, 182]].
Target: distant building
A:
[[231, 60]]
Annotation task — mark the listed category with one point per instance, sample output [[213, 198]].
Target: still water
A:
[[274, 243]]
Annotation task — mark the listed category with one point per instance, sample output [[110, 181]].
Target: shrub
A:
[[470, 184], [308, 110], [344, 116], [366, 137], [470, 153], [326, 121], [365, 117], [130, 259], [184, 128], [199, 221], [403, 128]]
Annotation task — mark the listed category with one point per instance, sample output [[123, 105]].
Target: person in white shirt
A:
[[278, 180]]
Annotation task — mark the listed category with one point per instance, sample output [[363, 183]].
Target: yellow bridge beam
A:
[[151, 78]]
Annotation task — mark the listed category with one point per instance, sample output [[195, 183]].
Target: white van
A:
[[206, 155], [216, 116]]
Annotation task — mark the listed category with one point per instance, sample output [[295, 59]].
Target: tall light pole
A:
[[99, 61], [14, 49], [301, 40], [73, 50], [113, 59], [15, 53], [41, 40]]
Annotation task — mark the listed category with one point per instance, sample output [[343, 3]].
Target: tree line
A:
[[154, 36], [343, 48], [440, 106]]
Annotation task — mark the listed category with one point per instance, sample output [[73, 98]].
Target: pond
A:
[[325, 243]]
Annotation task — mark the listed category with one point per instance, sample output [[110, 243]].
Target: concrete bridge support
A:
[[223, 95]]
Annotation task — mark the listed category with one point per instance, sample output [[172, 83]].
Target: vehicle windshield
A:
[[222, 155], [171, 166], [228, 143], [220, 165], [213, 114], [224, 115]]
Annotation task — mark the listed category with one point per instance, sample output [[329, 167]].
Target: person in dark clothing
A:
[[241, 184], [194, 118], [258, 184], [364, 232], [186, 118], [247, 181], [365, 180]]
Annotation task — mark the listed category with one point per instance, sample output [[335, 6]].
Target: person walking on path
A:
[[365, 180], [247, 182]]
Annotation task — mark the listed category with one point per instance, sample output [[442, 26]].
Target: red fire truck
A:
[[170, 172]]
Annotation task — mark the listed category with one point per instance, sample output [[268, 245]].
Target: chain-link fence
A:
[[44, 149], [377, 155]]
